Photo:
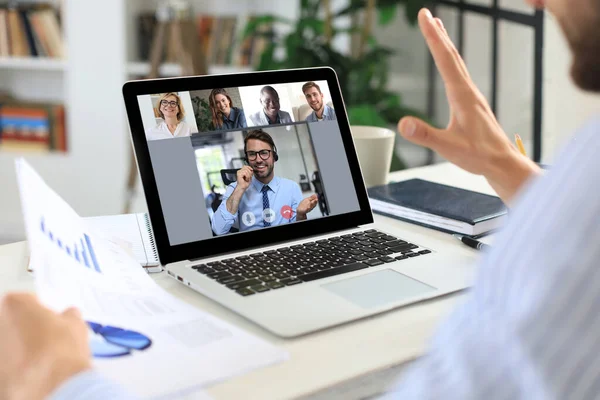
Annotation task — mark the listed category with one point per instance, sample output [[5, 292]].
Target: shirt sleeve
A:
[[222, 219], [332, 111], [242, 119], [90, 385], [528, 329]]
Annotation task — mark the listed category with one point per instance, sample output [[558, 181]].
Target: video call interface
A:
[[237, 159]]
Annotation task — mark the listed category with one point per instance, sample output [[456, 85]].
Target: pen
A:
[[520, 144], [473, 243]]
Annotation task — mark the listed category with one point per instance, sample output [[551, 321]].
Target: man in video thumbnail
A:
[[314, 98], [271, 112], [259, 198]]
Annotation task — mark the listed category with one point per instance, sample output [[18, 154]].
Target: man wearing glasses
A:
[[260, 199]]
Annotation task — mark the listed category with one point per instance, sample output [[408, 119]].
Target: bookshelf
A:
[[141, 68], [92, 175], [33, 64]]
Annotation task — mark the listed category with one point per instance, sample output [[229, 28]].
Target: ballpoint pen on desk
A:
[[520, 146], [473, 243]]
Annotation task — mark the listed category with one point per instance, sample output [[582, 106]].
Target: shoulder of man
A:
[[288, 183], [255, 117]]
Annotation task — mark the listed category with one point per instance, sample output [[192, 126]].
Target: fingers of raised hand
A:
[[449, 62]]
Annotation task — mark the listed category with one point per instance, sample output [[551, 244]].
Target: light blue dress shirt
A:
[[90, 385], [328, 115], [282, 192], [529, 329]]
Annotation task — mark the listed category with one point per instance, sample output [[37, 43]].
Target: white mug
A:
[[375, 147]]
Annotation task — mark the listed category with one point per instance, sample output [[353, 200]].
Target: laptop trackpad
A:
[[378, 288]]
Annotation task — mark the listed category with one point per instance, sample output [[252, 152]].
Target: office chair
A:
[[304, 183], [316, 181], [226, 175]]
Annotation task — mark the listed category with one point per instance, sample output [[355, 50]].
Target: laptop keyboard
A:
[[294, 265]]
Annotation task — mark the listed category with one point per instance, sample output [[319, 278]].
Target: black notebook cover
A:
[[441, 200]]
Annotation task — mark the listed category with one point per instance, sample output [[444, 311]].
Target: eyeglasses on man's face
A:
[[264, 154], [168, 103]]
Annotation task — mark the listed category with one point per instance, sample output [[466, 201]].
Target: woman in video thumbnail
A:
[[224, 114], [170, 109]]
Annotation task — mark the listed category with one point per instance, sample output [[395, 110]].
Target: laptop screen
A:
[[244, 160], [241, 159]]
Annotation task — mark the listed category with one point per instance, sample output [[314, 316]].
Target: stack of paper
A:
[[141, 336]]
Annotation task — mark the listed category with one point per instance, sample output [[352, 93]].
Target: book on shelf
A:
[[30, 30], [219, 36], [32, 126], [438, 206]]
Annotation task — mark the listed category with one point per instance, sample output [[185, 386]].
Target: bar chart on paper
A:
[[80, 249]]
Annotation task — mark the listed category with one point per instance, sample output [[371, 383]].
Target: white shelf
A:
[[142, 68], [33, 63]]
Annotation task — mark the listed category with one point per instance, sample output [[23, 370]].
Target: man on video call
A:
[[259, 198], [271, 112], [314, 98]]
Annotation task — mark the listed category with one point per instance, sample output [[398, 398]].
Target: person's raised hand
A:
[[39, 348], [244, 177], [306, 206], [473, 138]]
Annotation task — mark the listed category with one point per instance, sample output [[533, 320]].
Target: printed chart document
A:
[[142, 337]]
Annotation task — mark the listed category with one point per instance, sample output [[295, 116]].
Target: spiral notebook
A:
[[134, 232]]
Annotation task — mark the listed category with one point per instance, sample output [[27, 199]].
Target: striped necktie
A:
[[264, 191]]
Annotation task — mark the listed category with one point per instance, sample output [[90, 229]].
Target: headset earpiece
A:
[[275, 155]]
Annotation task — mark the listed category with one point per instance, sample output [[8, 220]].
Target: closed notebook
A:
[[438, 206]]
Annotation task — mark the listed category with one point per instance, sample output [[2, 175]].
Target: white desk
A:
[[325, 358]]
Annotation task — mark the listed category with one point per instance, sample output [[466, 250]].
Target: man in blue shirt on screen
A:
[[260, 199], [314, 98]]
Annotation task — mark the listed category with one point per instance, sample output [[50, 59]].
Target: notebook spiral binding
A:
[[151, 235]]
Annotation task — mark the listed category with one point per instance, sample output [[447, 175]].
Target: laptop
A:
[[257, 201]]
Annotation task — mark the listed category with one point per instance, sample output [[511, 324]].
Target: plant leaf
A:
[[387, 14], [411, 10], [255, 24], [366, 114]]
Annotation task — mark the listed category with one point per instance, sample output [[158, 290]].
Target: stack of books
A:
[[31, 30], [220, 37], [32, 127]]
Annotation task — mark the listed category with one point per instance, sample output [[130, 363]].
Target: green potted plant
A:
[[363, 71]]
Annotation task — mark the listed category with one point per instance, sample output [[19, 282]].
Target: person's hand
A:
[[306, 206], [39, 349], [539, 4], [473, 139], [244, 177]]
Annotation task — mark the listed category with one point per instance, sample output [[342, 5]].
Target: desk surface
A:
[[324, 358]]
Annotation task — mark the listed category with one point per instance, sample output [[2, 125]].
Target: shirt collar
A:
[[277, 120], [231, 117], [273, 185]]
